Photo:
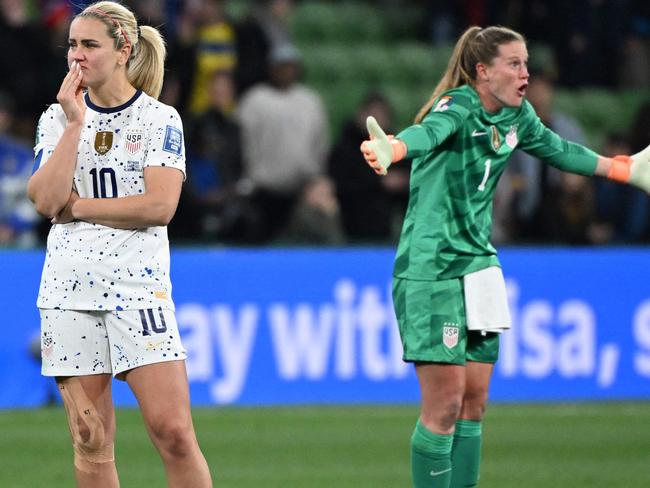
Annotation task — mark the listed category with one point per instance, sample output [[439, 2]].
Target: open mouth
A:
[[521, 90]]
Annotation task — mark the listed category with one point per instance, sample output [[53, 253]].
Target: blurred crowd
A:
[[262, 166], [594, 42]]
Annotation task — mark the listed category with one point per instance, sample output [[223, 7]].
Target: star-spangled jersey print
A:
[[91, 266]]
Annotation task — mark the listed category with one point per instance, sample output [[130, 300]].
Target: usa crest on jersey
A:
[[511, 137], [133, 141], [450, 336]]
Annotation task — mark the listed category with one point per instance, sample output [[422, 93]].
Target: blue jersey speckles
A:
[[90, 266]]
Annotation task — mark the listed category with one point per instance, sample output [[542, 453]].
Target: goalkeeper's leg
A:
[[441, 386], [466, 449]]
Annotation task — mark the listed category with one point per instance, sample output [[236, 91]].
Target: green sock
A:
[[430, 458], [466, 454]]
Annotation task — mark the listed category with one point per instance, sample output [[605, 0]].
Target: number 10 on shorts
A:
[[149, 324]]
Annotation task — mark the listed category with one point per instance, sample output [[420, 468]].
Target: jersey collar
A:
[[110, 110]]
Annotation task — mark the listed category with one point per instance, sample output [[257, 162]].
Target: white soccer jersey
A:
[[90, 266]]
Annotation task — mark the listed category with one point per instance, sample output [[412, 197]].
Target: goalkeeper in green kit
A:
[[448, 288]]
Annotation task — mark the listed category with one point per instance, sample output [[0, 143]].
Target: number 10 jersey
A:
[[91, 266]]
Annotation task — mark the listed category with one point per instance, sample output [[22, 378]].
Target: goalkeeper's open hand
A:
[[381, 150], [640, 170], [634, 169]]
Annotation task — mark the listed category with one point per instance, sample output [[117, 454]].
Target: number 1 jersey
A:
[[459, 152]]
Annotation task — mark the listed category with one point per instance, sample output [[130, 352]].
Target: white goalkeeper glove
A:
[[640, 170], [381, 150], [634, 169]]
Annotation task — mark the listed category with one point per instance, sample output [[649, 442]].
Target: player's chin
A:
[[516, 100]]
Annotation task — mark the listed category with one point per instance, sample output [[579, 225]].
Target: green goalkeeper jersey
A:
[[459, 152]]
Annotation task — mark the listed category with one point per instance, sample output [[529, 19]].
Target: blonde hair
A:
[[146, 66], [476, 45]]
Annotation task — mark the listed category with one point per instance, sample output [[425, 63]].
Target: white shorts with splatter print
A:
[[78, 343]]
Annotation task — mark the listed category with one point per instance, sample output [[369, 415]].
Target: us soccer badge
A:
[[450, 333], [511, 137], [103, 141], [133, 141]]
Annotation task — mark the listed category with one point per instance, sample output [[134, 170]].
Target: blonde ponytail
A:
[[146, 68]]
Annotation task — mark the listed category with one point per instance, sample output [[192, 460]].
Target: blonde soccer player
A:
[[448, 288], [109, 167]]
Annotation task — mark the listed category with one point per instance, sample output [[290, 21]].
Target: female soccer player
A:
[[448, 289], [109, 165]]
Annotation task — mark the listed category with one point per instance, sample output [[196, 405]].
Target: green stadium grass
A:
[[573, 446]]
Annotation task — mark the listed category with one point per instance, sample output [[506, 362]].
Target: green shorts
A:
[[433, 327]]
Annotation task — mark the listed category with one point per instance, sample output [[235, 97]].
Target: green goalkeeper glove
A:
[[381, 150]]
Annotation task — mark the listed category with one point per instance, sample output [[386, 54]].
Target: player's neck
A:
[[112, 95]]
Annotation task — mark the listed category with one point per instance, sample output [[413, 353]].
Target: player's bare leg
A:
[[441, 387], [477, 384], [163, 394], [91, 418]]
